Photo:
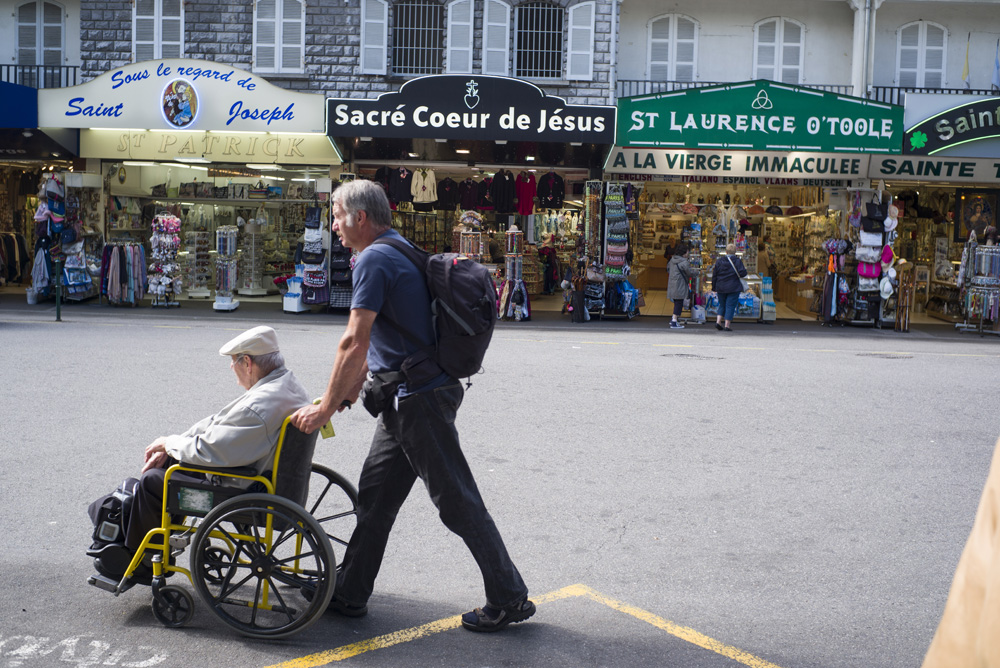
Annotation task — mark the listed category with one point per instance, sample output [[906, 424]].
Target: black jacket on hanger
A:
[[447, 194], [502, 191], [400, 181], [551, 191], [485, 198], [468, 194]]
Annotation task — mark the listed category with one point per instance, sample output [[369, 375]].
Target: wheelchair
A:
[[261, 559]]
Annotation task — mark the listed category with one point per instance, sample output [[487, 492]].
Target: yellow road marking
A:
[[572, 591]]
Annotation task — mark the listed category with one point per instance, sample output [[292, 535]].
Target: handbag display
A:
[[313, 214], [744, 283], [258, 191], [870, 238]]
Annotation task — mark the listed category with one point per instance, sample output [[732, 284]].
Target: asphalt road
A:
[[787, 496]]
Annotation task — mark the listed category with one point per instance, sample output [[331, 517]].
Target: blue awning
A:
[[20, 106]]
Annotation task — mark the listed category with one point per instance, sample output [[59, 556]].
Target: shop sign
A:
[[286, 149], [180, 94], [20, 107], [471, 107], [742, 167], [964, 123], [760, 115], [914, 168]]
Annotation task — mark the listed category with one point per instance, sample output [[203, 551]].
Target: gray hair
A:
[[731, 249], [267, 362], [367, 196]]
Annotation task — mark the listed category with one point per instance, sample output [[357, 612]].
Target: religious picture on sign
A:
[[975, 212], [180, 103]]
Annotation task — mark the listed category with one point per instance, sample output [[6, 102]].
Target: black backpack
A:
[[463, 308]]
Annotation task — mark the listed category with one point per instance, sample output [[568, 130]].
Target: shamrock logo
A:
[[918, 140]]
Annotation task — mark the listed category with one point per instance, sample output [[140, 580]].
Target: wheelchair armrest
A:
[[248, 471]]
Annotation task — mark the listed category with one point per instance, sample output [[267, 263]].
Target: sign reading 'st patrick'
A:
[[181, 94]]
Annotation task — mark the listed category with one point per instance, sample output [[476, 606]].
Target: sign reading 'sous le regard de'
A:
[[471, 107]]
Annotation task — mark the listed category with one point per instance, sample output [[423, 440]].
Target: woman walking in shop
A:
[[726, 277], [679, 276]]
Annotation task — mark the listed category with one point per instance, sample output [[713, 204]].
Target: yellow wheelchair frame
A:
[[262, 562]]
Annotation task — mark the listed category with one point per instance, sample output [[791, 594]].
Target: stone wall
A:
[[223, 33]]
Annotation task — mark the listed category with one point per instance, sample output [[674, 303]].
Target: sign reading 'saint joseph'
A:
[[471, 107]]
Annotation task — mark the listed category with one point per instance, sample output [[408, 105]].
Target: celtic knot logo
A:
[[762, 101]]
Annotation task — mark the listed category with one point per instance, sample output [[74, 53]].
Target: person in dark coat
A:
[[726, 282]]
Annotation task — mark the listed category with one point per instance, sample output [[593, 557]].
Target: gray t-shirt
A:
[[385, 281]]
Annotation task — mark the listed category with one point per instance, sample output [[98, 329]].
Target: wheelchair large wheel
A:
[[333, 502], [281, 573]]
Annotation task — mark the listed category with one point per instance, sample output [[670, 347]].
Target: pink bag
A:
[[869, 270]]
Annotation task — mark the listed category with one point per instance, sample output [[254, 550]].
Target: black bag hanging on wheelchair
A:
[[110, 513]]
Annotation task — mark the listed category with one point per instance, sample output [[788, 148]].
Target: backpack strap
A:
[[419, 259]]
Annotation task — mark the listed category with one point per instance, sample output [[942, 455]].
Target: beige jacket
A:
[[245, 432], [968, 635]]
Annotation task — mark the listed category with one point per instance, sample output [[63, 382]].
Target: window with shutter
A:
[[538, 41], [920, 55], [672, 48], [459, 37], [581, 42], [157, 29], [496, 38], [417, 37], [778, 49], [40, 47], [279, 36], [374, 31]]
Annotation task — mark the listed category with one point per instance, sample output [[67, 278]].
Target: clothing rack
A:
[[123, 272]]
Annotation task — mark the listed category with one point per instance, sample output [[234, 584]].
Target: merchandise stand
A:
[[164, 272], [199, 264], [982, 297], [225, 268], [620, 298], [514, 302], [252, 269]]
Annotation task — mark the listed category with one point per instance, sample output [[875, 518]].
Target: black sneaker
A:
[[718, 326], [488, 619], [347, 610]]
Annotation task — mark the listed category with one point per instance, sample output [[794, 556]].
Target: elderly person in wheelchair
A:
[[244, 433]]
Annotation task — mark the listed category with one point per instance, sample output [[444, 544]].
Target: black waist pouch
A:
[[379, 390]]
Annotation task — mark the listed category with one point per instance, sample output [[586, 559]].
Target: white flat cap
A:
[[257, 341]]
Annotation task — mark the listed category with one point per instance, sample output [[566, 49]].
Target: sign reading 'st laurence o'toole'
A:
[[471, 107], [759, 116], [965, 123], [181, 95]]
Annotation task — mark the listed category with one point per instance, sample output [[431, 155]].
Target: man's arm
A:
[[349, 370]]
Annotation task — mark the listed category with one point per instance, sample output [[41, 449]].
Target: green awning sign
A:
[[760, 116]]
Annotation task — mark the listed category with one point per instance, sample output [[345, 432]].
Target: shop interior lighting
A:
[[463, 151], [181, 164], [266, 167], [273, 178], [303, 180], [530, 158], [576, 143], [413, 155], [440, 141], [198, 160], [365, 138], [27, 133], [187, 203], [501, 141], [136, 163]]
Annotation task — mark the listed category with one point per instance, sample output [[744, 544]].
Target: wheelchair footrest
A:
[[180, 541], [107, 584]]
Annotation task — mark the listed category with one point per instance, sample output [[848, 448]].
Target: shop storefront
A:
[[28, 158], [946, 186], [205, 176], [492, 167], [770, 168]]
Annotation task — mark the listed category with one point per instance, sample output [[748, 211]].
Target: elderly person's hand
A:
[[156, 455]]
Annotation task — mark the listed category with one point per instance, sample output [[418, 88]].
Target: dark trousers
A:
[[147, 506], [678, 307], [420, 440]]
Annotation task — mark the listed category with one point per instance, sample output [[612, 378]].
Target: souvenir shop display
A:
[[312, 257], [514, 302], [226, 263], [341, 274], [251, 269], [164, 278], [123, 272], [979, 276], [199, 264], [621, 298]]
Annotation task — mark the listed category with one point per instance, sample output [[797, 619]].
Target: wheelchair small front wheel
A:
[[173, 606]]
